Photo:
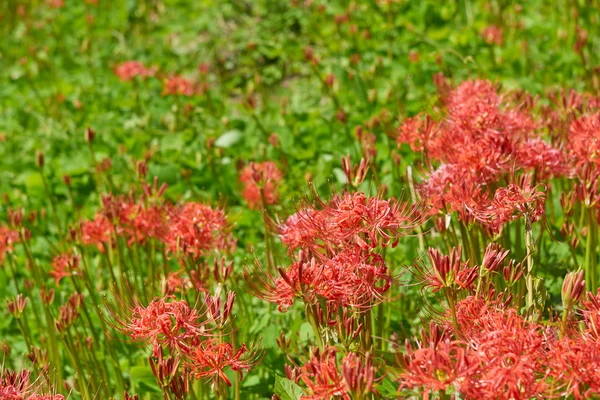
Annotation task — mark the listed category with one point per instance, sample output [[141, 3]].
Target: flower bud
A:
[[573, 288]]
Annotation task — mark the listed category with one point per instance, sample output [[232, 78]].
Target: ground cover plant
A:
[[299, 199]]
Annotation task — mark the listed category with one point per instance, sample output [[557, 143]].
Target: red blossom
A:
[[447, 271], [64, 265], [128, 70], [323, 377], [210, 358], [352, 278], [514, 201], [139, 220], [163, 322], [7, 239], [196, 229], [435, 363], [492, 35], [97, 232], [261, 181], [584, 139], [178, 85], [575, 367], [350, 218], [18, 386], [483, 139]]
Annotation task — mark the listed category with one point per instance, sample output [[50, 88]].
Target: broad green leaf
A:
[[286, 389]]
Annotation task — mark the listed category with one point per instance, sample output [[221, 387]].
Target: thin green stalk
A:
[[452, 305], [313, 323], [590, 252], [530, 247]]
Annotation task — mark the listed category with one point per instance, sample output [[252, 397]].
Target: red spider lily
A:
[[7, 239], [590, 310], [175, 282], [69, 312], [130, 69], [447, 271], [136, 221], [437, 363], [196, 228], [511, 352], [303, 229], [355, 175], [97, 232], [164, 321], [127, 396], [514, 201], [547, 161], [17, 306], [492, 35], [167, 374], [359, 218], [574, 367], [351, 218], [210, 358], [323, 377], [417, 132], [178, 85], [18, 386], [355, 278], [352, 278], [15, 385], [493, 257], [215, 312], [359, 374], [301, 279], [261, 181], [64, 265], [586, 190], [584, 139], [482, 139]]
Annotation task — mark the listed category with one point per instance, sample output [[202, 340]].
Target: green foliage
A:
[[262, 100]]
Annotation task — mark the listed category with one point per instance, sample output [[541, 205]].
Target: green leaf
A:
[[229, 138], [143, 380], [286, 389]]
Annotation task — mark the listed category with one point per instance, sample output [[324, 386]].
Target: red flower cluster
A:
[[448, 271], [500, 355], [130, 69], [350, 218], [191, 229], [64, 265], [584, 139], [483, 140], [18, 386], [210, 358], [178, 85], [196, 228], [7, 239], [98, 232], [164, 322], [261, 181], [492, 35], [172, 325], [352, 278], [353, 378], [337, 261]]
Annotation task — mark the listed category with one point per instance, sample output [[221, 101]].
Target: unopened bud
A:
[[89, 135], [573, 288], [40, 159]]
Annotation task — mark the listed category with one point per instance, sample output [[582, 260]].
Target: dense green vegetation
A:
[[221, 89]]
